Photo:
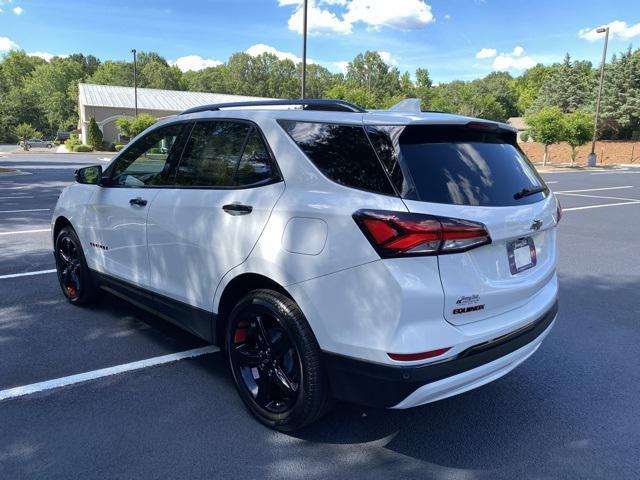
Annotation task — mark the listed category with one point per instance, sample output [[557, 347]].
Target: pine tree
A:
[[620, 105], [94, 137], [570, 87]]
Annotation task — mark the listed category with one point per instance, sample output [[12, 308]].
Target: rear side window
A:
[[342, 153], [460, 166]]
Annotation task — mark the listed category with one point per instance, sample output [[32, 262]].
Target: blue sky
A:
[[454, 39]]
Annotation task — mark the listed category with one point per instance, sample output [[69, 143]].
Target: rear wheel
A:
[[73, 273], [275, 361]]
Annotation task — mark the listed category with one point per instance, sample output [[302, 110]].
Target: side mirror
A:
[[89, 175]]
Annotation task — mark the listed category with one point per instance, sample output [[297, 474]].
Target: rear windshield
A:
[[461, 166]]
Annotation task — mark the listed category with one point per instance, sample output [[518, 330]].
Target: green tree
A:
[[528, 85], [113, 73], [570, 87], [24, 132], [500, 86], [578, 130], [354, 94], [464, 98], [370, 72], [54, 83], [131, 127], [620, 106], [94, 137], [547, 127]]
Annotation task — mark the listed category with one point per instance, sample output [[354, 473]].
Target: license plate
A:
[[522, 255]]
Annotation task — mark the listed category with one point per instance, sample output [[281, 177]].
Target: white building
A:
[[107, 103]]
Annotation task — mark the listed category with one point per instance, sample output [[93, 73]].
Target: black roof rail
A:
[[307, 104]]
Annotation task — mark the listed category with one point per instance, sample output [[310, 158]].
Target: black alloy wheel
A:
[[73, 274], [274, 359]]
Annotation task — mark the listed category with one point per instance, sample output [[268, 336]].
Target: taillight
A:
[[395, 234]]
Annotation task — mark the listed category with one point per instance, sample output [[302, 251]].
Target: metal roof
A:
[[151, 98]]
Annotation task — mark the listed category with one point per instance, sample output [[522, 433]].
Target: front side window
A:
[[149, 161], [343, 153]]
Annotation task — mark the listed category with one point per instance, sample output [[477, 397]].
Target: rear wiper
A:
[[525, 192]]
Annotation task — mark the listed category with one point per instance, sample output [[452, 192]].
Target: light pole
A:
[[304, 48], [135, 84], [592, 158]]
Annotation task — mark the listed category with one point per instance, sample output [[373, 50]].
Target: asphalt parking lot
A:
[[571, 411]]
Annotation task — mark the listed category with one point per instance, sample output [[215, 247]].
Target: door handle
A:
[[237, 209], [138, 201]]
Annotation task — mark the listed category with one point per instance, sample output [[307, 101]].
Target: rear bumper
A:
[[390, 386]]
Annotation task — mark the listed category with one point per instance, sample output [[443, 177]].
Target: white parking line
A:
[[26, 274], [601, 197], [18, 232], [549, 183], [614, 173], [104, 372], [599, 206], [594, 189], [24, 196], [32, 210]]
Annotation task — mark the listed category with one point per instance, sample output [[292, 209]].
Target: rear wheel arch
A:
[[233, 293]]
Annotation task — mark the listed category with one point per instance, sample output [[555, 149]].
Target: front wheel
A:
[[73, 273], [275, 361]]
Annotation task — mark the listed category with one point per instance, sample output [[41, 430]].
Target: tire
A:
[[267, 335], [49, 146], [74, 275]]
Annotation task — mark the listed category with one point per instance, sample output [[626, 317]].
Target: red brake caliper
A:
[[240, 334]]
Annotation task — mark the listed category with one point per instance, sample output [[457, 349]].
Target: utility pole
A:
[[135, 83], [304, 48], [592, 158]]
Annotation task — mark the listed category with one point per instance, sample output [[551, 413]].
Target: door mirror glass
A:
[[89, 175]]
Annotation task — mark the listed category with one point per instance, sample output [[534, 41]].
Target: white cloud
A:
[[195, 62], [516, 60], [17, 10], [260, 48], [7, 44], [46, 55], [319, 20], [617, 29], [388, 58], [487, 53], [447, 17], [507, 62], [399, 14]]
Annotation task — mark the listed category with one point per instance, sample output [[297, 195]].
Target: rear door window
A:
[[211, 154], [457, 165], [343, 153]]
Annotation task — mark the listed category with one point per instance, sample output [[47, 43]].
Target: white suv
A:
[[388, 258]]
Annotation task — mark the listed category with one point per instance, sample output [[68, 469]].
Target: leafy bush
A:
[[578, 130], [24, 132], [72, 141], [119, 147], [82, 148], [547, 127], [133, 126], [94, 135]]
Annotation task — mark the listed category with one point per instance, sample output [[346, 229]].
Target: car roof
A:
[[406, 112]]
